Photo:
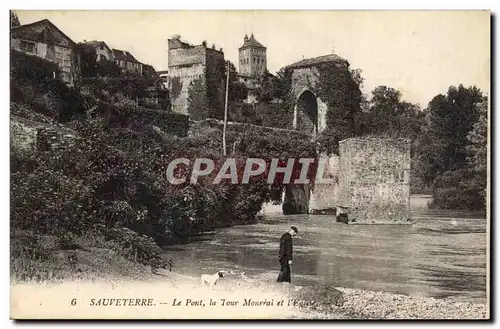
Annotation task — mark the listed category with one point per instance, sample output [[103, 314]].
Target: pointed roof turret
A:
[[251, 42]]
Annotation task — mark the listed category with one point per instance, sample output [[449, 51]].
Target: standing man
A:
[[285, 255]]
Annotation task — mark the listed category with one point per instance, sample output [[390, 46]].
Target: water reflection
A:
[[442, 254]]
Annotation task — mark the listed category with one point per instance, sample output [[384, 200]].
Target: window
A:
[[254, 60], [28, 47]]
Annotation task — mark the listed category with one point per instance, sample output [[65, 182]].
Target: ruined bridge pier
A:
[[370, 179]]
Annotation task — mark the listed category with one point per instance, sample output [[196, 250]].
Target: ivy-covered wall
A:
[[338, 96]]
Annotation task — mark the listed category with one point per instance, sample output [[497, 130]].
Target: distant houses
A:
[[124, 59], [127, 61], [45, 40], [165, 78], [99, 48]]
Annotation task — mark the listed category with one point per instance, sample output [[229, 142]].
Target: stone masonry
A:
[[374, 179], [325, 196], [28, 137], [305, 76], [186, 63]]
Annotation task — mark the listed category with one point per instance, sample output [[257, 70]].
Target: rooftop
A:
[[318, 60], [35, 34], [251, 42], [93, 43], [124, 56]]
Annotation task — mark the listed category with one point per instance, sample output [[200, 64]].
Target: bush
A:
[[458, 189], [137, 247], [34, 83], [455, 198], [113, 177]]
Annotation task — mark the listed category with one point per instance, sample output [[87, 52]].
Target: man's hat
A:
[[295, 229]]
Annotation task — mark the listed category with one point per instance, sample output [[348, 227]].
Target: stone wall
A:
[[28, 136], [186, 56], [169, 122], [22, 137], [179, 82], [325, 195], [374, 178], [187, 63]]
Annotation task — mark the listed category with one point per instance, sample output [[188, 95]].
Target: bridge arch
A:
[[306, 112]]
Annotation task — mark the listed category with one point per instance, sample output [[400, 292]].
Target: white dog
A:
[[211, 280]]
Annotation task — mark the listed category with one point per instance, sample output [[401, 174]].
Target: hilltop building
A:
[[187, 63], [127, 61], [101, 50], [252, 65], [45, 40], [252, 57]]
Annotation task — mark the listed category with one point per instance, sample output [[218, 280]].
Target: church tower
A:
[[253, 58]]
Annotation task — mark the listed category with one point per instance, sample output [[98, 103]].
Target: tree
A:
[[268, 89], [215, 83], [283, 83], [478, 147], [382, 110], [108, 68], [387, 114], [237, 90], [14, 20], [451, 119], [88, 61]]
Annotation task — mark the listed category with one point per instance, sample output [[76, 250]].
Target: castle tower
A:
[[252, 57]]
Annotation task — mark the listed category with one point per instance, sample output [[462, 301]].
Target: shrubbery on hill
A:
[[111, 185]]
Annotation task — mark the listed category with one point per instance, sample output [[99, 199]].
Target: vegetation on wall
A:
[[197, 100], [175, 87], [110, 83], [35, 84], [215, 81], [340, 91]]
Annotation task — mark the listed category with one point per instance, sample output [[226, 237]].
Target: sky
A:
[[420, 53]]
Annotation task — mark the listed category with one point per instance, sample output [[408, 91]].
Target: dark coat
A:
[[286, 248]]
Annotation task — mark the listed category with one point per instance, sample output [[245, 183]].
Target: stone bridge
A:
[[368, 179]]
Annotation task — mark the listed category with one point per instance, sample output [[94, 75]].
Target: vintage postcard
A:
[[249, 164]]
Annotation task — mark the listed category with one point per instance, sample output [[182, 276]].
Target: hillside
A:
[[88, 175]]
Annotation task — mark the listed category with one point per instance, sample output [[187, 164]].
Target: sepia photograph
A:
[[250, 164]]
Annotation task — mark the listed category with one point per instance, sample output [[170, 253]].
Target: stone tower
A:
[[188, 63], [252, 56]]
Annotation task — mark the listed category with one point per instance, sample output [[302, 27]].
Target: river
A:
[[443, 254]]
